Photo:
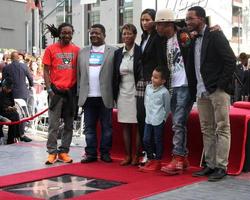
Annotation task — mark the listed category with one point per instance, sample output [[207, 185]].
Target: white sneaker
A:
[[2, 141], [144, 158]]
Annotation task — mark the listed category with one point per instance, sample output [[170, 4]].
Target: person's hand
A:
[[32, 89], [11, 109], [215, 28], [4, 119], [193, 34], [7, 120]]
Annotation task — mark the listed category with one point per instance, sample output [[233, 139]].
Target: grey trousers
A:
[[215, 126], [54, 122]]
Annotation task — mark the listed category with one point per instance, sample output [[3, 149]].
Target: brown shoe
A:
[[135, 161], [126, 161], [52, 158], [151, 166], [64, 157], [176, 166]]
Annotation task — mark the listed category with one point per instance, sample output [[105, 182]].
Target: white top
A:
[[95, 63], [144, 43], [197, 63], [179, 77]]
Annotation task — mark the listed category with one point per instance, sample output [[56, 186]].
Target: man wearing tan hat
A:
[[172, 54]]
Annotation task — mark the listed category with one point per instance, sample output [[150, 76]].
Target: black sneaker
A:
[[217, 175], [206, 171], [88, 159], [24, 138], [106, 158]]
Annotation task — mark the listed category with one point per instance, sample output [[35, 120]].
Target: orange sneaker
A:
[[52, 158], [64, 157]]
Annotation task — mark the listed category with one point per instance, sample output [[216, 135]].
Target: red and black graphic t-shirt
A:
[[62, 61]]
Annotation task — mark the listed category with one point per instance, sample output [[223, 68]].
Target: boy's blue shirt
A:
[[157, 104]]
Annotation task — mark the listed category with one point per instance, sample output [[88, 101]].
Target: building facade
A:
[[23, 30], [233, 17], [13, 25]]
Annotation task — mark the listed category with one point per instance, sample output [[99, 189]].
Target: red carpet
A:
[[138, 184], [238, 119]]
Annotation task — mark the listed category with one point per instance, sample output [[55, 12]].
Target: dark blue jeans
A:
[[95, 110], [156, 132], [181, 105]]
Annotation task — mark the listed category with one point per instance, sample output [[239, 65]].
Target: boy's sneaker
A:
[[52, 158], [151, 166], [143, 159], [64, 157]]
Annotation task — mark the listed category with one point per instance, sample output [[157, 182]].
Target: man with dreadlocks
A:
[[60, 60]]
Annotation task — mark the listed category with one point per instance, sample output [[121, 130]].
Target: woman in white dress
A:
[[127, 72]]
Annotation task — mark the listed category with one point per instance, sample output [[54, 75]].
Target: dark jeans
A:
[[94, 110], [156, 132]]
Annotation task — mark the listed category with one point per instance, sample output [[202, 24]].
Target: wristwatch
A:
[[49, 90]]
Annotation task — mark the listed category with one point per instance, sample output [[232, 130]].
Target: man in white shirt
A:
[[95, 69]]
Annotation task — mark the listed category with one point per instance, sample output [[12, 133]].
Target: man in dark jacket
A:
[[214, 63], [242, 78], [18, 72]]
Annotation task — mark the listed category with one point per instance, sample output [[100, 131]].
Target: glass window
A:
[[61, 7], [125, 14], [59, 19], [64, 11], [94, 18], [237, 32], [97, 4]]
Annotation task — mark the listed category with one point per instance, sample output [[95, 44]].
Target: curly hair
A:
[[55, 32]]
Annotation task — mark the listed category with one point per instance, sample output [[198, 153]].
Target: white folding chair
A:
[[22, 108], [41, 103], [79, 123], [23, 111]]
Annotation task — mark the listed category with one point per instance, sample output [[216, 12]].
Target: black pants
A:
[[1, 131], [141, 115], [14, 130]]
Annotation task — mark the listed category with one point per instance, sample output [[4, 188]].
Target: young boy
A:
[[8, 110], [157, 105]]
